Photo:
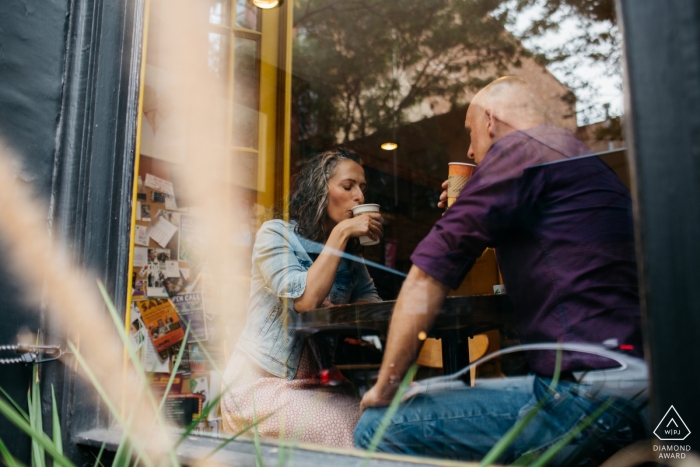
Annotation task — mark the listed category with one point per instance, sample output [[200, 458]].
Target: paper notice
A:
[[141, 235], [161, 231], [159, 184], [140, 257], [185, 273], [172, 269], [214, 391], [138, 210], [170, 203], [151, 360]]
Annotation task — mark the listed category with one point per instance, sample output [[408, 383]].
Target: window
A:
[[234, 114]]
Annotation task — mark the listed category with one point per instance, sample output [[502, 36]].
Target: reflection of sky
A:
[[603, 88]]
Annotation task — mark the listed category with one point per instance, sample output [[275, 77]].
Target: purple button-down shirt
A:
[[562, 229]]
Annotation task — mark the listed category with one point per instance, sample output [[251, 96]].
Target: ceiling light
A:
[[267, 4], [389, 146]]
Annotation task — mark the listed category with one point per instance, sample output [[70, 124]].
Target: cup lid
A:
[[461, 163]]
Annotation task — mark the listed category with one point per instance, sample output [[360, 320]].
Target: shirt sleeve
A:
[[365, 289], [277, 262], [489, 204]]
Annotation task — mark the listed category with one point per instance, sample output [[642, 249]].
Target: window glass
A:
[[245, 96], [485, 141], [247, 15]]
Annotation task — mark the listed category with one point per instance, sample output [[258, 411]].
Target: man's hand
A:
[[373, 398], [442, 204], [419, 302]]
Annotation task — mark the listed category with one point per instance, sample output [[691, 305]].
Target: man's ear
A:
[[491, 122]]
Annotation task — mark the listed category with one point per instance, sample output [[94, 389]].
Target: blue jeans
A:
[[465, 424]]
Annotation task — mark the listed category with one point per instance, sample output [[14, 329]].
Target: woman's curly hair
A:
[[309, 198]]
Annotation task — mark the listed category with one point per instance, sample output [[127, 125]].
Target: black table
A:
[[460, 318]]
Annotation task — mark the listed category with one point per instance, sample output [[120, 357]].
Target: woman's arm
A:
[[321, 274]]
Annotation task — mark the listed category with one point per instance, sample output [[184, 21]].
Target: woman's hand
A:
[[369, 224], [442, 204]]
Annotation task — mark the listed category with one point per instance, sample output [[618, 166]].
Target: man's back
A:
[[562, 228]]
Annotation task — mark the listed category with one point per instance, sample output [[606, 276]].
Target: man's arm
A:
[[419, 302]]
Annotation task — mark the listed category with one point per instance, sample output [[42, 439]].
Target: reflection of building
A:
[[406, 181]]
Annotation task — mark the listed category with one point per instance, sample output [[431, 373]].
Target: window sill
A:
[[242, 453]]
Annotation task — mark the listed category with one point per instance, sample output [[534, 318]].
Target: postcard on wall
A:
[[139, 291], [190, 306], [152, 361], [138, 210], [191, 248], [159, 184], [171, 204], [136, 329], [141, 237], [175, 285], [156, 283], [158, 197], [161, 230], [197, 359], [200, 386], [163, 324], [140, 257], [214, 391], [145, 212]]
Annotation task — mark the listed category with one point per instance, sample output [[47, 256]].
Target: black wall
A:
[[69, 75], [32, 58], [662, 51]]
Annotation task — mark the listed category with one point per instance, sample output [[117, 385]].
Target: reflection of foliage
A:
[[362, 64], [591, 29]]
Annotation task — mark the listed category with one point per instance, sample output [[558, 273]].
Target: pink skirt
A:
[[300, 410]]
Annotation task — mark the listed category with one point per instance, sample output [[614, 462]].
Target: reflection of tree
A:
[[365, 65], [593, 37], [362, 64]]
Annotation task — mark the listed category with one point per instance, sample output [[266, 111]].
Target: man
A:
[[564, 241]]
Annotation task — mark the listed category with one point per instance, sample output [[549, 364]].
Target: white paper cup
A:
[[361, 209]]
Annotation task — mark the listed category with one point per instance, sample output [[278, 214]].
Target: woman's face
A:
[[345, 191]]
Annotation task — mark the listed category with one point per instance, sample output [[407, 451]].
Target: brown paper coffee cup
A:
[[458, 175]]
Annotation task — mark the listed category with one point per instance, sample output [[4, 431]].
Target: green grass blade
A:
[[557, 371], [9, 459], [121, 448], [15, 404], [391, 411], [208, 355], [205, 412], [176, 366], [56, 423], [229, 440], [509, 437], [99, 455], [108, 402], [39, 436], [38, 453], [559, 445], [140, 371]]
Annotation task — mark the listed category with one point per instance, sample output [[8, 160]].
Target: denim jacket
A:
[[280, 264]]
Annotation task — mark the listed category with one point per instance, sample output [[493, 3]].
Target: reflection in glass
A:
[[219, 12], [245, 93], [247, 15], [217, 53]]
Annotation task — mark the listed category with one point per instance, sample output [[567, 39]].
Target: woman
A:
[[270, 362]]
